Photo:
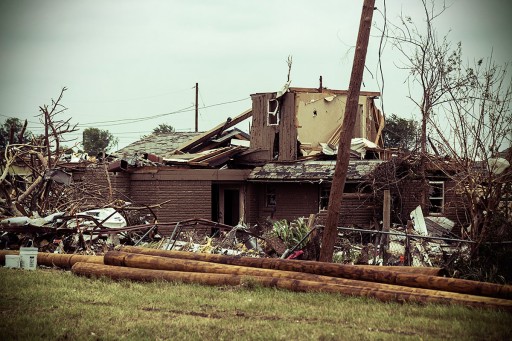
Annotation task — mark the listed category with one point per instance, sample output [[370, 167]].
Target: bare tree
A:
[[29, 192], [466, 108], [429, 60], [433, 65], [479, 120]]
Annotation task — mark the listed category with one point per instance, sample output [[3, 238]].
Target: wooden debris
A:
[[358, 272], [137, 274]]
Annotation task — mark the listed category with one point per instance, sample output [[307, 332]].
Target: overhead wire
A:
[[126, 121], [144, 118]]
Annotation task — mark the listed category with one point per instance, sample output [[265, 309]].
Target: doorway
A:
[[226, 204], [231, 206]]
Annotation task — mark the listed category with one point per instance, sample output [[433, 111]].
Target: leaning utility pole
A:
[[330, 232], [197, 108]]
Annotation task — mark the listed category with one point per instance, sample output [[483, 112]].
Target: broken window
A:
[[272, 114], [436, 197], [270, 196], [325, 192]]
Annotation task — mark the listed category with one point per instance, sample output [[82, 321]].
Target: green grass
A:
[[56, 305]]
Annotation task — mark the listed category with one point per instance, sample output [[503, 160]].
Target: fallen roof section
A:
[[196, 143]]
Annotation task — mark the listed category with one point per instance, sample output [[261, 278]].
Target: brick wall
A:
[[184, 199], [405, 200], [455, 205], [292, 201], [409, 197], [300, 200], [94, 178], [357, 210]]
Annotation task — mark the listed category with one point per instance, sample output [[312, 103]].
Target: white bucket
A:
[[28, 258], [12, 261]]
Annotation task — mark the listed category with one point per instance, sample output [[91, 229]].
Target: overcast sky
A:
[[131, 65]]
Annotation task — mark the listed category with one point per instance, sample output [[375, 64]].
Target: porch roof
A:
[[311, 171]]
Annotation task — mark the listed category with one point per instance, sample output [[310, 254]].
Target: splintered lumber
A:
[[65, 261], [358, 272], [137, 274], [119, 258]]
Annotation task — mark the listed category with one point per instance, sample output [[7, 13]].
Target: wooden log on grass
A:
[[65, 261], [137, 274], [358, 272], [261, 262], [118, 258]]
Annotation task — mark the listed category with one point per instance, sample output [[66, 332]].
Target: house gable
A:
[[302, 118]]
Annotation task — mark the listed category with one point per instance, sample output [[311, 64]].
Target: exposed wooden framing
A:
[[380, 120], [219, 154], [386, 222], [288, 129], [190, 145], [262, 135]]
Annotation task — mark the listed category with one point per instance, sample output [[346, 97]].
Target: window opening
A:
[[436, 197], [272, 114], [270, 196], [325, 192]]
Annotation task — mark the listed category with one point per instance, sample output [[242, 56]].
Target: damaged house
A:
[[282, 170]]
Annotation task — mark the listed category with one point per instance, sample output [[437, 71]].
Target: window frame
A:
[[323, 197], [273, 116], [431, 197], [270, 196]]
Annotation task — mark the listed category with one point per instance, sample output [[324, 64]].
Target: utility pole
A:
[[197, 108], [330, 232]]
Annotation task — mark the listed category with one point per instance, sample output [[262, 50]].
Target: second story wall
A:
[[304, 118]]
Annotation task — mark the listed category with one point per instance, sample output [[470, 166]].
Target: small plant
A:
[[291, 233]]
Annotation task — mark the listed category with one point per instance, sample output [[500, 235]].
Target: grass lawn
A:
[[57, 305]]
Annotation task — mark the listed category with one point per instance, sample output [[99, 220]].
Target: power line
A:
[[138, 119], [144, 118]]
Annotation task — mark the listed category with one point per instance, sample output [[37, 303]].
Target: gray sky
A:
[[136, 62]]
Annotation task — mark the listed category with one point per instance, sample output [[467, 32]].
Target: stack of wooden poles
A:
[[393, 283]]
